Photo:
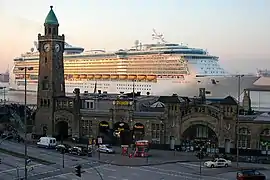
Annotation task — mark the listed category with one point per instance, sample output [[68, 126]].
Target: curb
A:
[[20, 155], [139, 165]]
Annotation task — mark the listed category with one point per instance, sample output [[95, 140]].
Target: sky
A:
[[238, 31]]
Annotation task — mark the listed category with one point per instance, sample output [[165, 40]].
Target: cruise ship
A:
[[160, 68]]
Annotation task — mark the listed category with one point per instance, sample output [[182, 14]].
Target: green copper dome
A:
[[51, 18]]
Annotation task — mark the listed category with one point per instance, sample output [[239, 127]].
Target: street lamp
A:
[[25, 69], [4, 95], [237, 120]]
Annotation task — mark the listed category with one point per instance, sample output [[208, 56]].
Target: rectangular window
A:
[[45, 85], [91, 105]]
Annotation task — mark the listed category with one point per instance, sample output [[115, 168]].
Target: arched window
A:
[[265, 141], [244, 138]]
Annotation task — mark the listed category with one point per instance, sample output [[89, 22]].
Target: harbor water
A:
[[260, 100]]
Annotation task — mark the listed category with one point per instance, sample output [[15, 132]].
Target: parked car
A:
[[218, 162], [7, 135], [104, 148], [78, 150], [46, 142], [250, 174], [63, 147]]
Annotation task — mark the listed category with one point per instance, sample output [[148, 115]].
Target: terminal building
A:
[[175, 121]]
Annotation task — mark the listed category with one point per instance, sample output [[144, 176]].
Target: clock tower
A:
[[51, 82]]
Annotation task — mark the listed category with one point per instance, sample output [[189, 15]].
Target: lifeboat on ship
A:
[[83, 76], [114, 76], [141, 77], [17, 76], [151, 77], [98, 76], [132, 77], [105, 76], [123, 76], [76, 76], [90, 76]]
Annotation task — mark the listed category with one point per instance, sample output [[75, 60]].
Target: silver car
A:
[[105, 149]]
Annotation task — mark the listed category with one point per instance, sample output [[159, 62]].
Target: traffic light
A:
[[78, 170]]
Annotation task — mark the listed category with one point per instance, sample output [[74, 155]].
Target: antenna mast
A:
[[158, 36]]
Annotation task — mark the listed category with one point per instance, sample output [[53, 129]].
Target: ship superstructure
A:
[[161, 68]]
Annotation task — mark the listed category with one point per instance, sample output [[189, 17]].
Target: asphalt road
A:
[[45, 154], [161, 172], [185, 171], [13, 168]]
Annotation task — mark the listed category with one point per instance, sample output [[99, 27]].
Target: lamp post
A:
[[25, 69], [237, 120]]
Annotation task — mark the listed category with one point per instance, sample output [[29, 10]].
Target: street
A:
[[91, 170], [12, 168], [162, 172], [120, 167], [46, 154]]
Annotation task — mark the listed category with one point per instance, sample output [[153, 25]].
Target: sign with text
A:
[[99, 140]]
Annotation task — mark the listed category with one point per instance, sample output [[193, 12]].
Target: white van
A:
[[46, 142]]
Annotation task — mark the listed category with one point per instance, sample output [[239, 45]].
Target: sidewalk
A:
[[252, 166], [157, 157], [160, 157], [119, 160]]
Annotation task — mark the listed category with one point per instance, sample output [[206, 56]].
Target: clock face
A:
[[57, 47], [46, 47]]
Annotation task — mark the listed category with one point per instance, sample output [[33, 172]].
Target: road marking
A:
[[112, 177], [167, 174], [189, 164], [135, 174], [14, 169], [109, 169], [64, 174], [174, 173]]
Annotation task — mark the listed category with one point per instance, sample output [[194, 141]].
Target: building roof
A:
[[172, 99], [51, 18], [229, 100], [158, 104]]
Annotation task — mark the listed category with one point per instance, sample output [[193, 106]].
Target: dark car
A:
[[78, 150], [7, 135], [63, 148], [250, 174]]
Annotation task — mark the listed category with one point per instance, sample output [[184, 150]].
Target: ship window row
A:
[[135, 85], [91, 87], [212, 68], [212, 72], [142, 89], [200, 57], [92, 84], [122, 66]]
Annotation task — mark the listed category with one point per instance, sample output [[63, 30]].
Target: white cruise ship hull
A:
[[216, 87]]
